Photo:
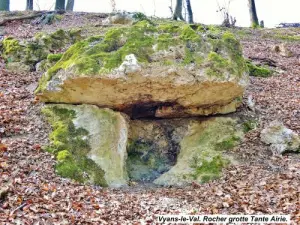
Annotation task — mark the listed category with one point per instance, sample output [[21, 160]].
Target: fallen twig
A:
[[32, 16], [19, 207]]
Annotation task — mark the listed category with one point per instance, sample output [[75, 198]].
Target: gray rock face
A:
[[89, 143], [280, 138]]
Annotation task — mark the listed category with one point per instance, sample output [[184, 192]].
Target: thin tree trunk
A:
[[190, 12], [29, 5], [70, 5], [60, 5], [4, 5], [253, 14], [178, 10]]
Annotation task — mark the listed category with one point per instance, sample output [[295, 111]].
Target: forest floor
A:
[[31, 192]]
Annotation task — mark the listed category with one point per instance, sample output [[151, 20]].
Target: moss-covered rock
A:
[[31, 52], [203, 152], [89, 144], [174, 69], [47, 63], [258, 71]]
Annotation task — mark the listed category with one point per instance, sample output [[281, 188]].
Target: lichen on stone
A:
[[11, 48], [217, 64], [208, 169]]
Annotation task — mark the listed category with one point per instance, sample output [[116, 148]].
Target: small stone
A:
[[130, 65], [283, 50], [280, 138], [18, 67]]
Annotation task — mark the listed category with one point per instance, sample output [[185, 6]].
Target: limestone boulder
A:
[[145, 70], [204, 152], [89, 143], [280, 138]]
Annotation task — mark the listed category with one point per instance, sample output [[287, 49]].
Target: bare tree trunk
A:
[[29, 5], [60, 5], [178, 10], [190, 12], [253, 14], [4, 5], [70, 5]]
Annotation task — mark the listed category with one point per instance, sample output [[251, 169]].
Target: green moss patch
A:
[[54, 57], [217, 64], [258, 71], [249, 125], [228, 143], [209, 170], [70, 146], [38, 49], [102, 55]]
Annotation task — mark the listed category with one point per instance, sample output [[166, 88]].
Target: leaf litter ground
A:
[[31, 193]]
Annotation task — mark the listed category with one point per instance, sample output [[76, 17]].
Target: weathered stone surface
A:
[[280, 138], [153, 146], [168, 70], [89, 143], [202, 152], [28, 53]]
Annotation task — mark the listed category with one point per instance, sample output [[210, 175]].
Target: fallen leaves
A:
[[31, 192], [3, 147]]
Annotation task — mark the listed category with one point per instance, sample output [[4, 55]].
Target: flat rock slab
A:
[[145, 70]]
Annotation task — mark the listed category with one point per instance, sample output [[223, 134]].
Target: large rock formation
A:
[[89, 143], [168, 70], [100, 146], [146, 71]]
